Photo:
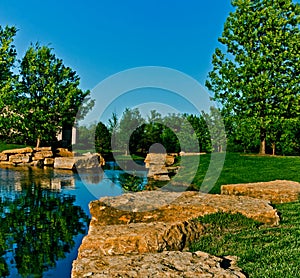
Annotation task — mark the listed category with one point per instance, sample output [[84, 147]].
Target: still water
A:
[[44, 216]]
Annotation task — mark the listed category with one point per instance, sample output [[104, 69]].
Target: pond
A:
[[45, 215]]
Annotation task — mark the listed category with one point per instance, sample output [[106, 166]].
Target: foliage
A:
[[131, 182], [130, 121], [263, 251], [49, 96], [40, 225], [102, 138], [8, 81], [258, 76], [85, 137]]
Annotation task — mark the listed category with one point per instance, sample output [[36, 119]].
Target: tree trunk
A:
[[273, 148], [262, 148], [38, 142]]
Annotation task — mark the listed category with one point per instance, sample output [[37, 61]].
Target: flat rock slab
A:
[[129, 234], [18, 151], [166, 264], [138, 238], [278, 191], [149, 206]]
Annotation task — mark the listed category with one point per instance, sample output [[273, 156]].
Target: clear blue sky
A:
[[101, 38]]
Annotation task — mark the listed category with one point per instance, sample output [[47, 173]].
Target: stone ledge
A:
[[138, 238], [278, 191], [166, 264], [126, 229], [149, 206]]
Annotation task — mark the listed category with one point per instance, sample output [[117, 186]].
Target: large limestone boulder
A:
[[85, 162], [172, 207], [3, 157], [159, 265], [66, 163], [158, 165], [18, 151], [278, 191], [19, 158], [147, 224]]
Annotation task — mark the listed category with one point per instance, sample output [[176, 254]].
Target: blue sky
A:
[[101, 38]]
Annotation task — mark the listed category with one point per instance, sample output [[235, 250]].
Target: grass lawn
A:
[[263, 251], [239, 168], [4, 146]]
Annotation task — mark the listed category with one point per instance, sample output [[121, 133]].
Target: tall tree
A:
[[131, 119], [102, 139], [258, 76], [49, 94], [7, 80]]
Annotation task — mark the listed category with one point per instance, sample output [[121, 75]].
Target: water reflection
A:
[[44, 215], [37, 226]]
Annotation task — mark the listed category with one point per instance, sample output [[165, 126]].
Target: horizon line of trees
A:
[[133, 134]]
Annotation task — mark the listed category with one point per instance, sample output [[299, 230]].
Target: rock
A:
[[89, 162], [86, 162], [278, 191], [157, 164], [66, 163], [147, 231], [138, 238], [37, 163], [165, 264], [64, 152], [173, 207], [190, 154], [49, 161], [18, 151], [42, 149], [42, 155], [3, 157], [19, 158]]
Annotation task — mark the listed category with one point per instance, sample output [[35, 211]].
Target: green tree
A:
[[216, 129], [113, 125], [201, 129], [258, 76], [85, 138], [8, 81], [49, 94], [102, 138], [130, 121]]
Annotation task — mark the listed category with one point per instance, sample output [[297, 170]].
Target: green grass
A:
[[242, 169], [263, 251], [4, 146]]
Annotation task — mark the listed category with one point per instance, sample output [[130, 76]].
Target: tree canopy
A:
[[257, 76], [7, 78], [49, 94]]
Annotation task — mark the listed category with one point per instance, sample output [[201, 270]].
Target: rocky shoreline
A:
[[47, 157], [146, 234]]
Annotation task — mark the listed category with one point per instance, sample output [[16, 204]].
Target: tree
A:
[[7, 80], [49, 94], [130, 121], [201, 129], [113, 125], [102, 139], [258, 76], [216, 130]]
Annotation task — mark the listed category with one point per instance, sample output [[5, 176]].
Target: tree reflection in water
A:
[[37, 227]]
